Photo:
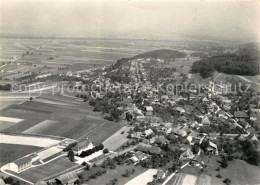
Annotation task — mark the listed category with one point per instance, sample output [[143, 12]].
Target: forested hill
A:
[[165, 54], [252, 49], [229, 64]]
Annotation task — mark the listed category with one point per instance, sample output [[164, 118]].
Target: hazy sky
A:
[[222, 19]]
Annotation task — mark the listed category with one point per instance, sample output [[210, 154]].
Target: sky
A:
[[201, 19]]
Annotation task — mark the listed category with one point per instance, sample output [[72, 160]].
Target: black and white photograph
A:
[[129, 92]]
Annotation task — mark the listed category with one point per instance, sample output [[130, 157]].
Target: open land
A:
[[69, 121]]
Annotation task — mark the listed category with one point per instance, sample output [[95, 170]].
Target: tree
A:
[[195, 149], [128, 116], [227, 181], [9, 180], [218, 175], [105, 151], [71, 156]]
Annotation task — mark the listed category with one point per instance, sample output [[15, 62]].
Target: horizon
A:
[[149, 20]]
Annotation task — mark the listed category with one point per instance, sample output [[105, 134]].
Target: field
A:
[[37, 128], [117, 173], [117, 139], [27, 140], [75, 122], [187, 179], [11, 152], [238, 171], [50, 169], [143, 178]]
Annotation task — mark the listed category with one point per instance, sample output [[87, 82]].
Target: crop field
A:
[[27, 140], [10, 119], [11, 152], [6, 124], [117, 139], [71, 121], [143, 178], [187, 179], [37, 128], [44, 171]]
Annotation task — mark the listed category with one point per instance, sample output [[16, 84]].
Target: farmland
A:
[[69, 121], [238, 171], [117, 139], [27, 140], [11, 152], [143, 178], [187, 179]]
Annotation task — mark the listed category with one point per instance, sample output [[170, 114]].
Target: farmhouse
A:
[[82, 145]]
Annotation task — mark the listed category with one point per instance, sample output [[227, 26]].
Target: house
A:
[[197, 159], [240, 114], [179, 132], [205, 120], [162, 140], [149, 109], [67, 178], [189, 139], [253, 137], [140, 118], [160, 175], [205, 100], [148, 132], [127, 100], [222, 114], [138, 156], [136, 135], [187, 154], [82, 145], [212, 148], [188, 108], [164, 98], [194, 134], [148, 148], [155, 124], [180, 110]]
